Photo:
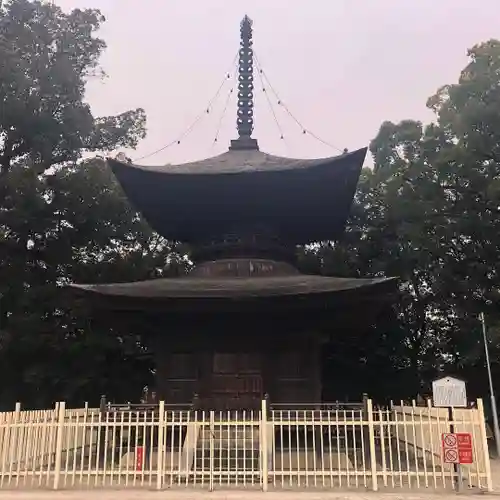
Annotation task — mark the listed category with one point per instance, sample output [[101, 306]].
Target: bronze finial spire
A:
[[244, 121]]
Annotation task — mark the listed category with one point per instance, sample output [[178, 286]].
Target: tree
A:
[[61, 219], [428, 213], [81, 229], [44, 119], [439, 203]]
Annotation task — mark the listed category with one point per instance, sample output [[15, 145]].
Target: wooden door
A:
[[236, 381]]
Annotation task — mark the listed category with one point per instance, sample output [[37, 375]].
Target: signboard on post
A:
[[449, 392], [457, 448], [139, 456], [464, 441]]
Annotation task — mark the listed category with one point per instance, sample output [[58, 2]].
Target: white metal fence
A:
[[372, 448]]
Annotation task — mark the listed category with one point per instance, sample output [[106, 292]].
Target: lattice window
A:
[[182, 366], [225, 363], [292, 364], [237, 362]]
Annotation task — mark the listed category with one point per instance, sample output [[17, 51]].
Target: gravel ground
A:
[[222, 495], [245, 495], [495, 472]]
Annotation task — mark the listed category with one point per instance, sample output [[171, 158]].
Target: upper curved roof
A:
[[300, 201], [242, 161]]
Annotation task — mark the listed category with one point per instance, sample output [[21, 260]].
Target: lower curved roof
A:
[[298, 201], [230, 288]]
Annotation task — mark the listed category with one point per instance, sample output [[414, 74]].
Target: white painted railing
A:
[[422, 428], [361, 447]]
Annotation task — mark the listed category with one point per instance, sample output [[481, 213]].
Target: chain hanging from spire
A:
[[245, 89]]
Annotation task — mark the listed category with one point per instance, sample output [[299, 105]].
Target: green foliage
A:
[[62, 219], [48, 57], [71, 225], [428, 213]]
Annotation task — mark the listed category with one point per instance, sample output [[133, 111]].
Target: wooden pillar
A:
[[160, 356], [205, 371], [270, 355], [315, 368]]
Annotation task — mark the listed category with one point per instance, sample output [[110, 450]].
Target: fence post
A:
[[371, 436], [212, 449], [15, 437], [264, 469], [160, 448], [5, 451], [18, 433], [59, 442], [364, 428], [484, 445]]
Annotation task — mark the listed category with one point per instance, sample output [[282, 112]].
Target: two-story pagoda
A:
[[244, 323]]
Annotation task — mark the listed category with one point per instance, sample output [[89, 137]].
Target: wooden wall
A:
[[228, 370]]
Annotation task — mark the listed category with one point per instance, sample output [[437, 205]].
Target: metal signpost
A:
[[494, 411], [450, 392]]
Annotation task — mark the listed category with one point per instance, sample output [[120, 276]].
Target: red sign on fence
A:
[[457, 448], [139, 454]]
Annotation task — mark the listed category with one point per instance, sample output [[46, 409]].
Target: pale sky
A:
[[341, 66]]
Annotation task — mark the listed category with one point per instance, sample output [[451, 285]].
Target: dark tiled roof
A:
[[190, 287], [234, 161], [299, 201]]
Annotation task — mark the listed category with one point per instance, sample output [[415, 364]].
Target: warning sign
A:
[[465, 456], [457, 448], [449, 440], [451, 456], [464, 440], [139, 455]]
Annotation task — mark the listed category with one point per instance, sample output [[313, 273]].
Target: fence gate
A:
[[212, 449]]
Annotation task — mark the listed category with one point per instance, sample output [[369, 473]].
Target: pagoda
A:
[[244, 323]]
